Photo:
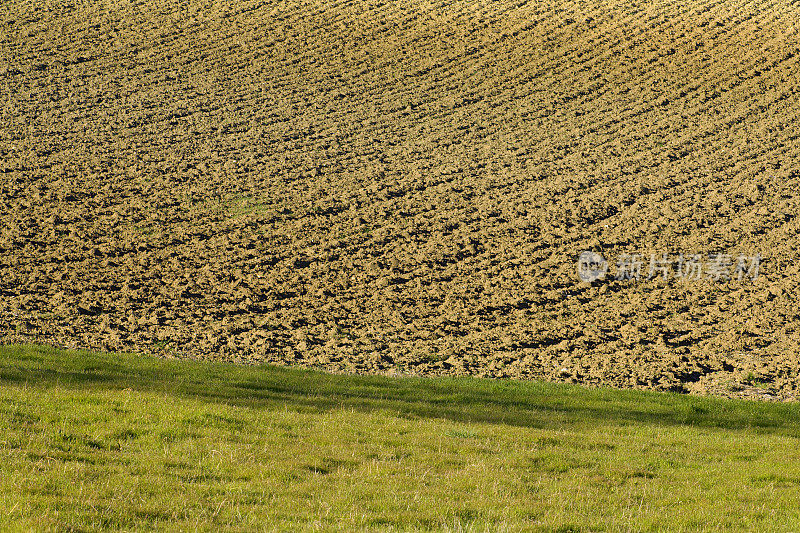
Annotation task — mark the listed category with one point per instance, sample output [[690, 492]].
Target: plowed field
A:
[[405, 187]]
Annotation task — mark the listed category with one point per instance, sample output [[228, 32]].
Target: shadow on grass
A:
[[518, 403]]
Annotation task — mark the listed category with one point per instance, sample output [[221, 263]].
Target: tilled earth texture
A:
[[406, 187]]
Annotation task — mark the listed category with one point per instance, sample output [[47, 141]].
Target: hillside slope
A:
[[405, 187]]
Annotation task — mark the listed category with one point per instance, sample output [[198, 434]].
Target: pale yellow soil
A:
[[405, 187]]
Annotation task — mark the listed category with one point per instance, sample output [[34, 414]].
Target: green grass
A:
[[95, 441]]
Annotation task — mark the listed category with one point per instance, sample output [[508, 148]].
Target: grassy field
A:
[[93, 441]]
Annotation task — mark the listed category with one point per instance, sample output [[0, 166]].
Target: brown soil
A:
[[405, 188]]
